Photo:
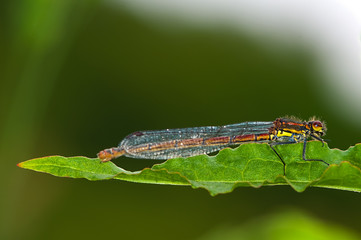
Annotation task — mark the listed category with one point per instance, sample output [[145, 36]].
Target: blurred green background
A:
[[78, 76]]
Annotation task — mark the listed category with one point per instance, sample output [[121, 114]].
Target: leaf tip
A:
[[20, 164], [24, 164]]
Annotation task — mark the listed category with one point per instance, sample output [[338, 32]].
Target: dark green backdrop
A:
[[78, 76]]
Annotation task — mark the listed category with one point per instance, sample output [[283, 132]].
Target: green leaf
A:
[[250, 164], [284, 224]]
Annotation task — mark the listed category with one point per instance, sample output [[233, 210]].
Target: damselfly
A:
[[186, 142]]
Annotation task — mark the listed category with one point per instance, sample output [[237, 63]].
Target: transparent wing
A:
[[168, 138]]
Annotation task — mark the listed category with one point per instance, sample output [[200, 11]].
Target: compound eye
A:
[[317, 126]]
